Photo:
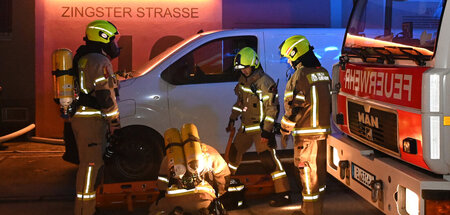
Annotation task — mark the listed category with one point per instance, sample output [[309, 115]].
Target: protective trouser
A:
[[242, 142], [310, 159], [190, 203], [90, 134]]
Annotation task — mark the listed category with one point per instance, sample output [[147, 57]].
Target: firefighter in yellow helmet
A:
[[307, 104], [257, 106], [97, 107], [192, 175]]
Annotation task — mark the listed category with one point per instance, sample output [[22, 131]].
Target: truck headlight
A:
[[412, 202], [407, 201], [334, 158]]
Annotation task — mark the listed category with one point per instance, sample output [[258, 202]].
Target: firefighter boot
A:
[[280, 199], [177, 211], [312, 208]]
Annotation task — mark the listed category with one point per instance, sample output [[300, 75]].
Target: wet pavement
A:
[[34, 180]]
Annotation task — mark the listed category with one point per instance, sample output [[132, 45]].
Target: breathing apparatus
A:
[[185, 156], [175, 153], [63, 81]]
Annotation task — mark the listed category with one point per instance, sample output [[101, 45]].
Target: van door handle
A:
[[155, 97]]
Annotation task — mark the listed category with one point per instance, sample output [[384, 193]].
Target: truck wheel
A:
[[137, 155]]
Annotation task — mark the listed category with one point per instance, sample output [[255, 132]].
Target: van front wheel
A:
[[137, 155]]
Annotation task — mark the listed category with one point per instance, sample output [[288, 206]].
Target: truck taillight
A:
[[407, 201], [437, 207]]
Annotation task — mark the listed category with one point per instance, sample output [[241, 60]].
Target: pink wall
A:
[[61, 24]]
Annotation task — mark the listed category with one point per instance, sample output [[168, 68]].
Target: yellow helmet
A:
[[294, 47], [101, 31], [246, 57]]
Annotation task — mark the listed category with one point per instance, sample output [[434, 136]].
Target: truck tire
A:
[[137, 155]]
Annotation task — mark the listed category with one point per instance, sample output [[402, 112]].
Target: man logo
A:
[[367, 119], [368, 133]]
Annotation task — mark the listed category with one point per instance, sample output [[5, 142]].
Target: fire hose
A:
[[34, 139], [17, 133]]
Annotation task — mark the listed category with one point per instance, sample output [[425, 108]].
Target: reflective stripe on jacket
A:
[[96, 74], [257, 101], [307, 101]]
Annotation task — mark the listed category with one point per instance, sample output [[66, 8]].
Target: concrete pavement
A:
[[35, 180]]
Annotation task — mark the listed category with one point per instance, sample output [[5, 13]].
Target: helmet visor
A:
[[239, 66]]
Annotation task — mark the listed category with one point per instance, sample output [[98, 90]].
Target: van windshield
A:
[[147, 67], [395, 29]]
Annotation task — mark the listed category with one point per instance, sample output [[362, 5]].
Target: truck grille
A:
[[377, 126]]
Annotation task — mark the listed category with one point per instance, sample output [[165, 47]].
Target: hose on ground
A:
[[51, 141], [17, 133]]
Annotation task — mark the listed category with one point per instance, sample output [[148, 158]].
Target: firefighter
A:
[[307, 104], [192, 175], [97, 108], [257, 106]]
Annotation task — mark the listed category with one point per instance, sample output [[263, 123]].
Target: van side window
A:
[[210, 63]]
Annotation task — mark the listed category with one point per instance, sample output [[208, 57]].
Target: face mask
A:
[[112, 49]]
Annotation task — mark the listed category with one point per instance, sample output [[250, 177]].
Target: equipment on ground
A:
[[232, 131], [143, 193], [192, 148], [175, 153]]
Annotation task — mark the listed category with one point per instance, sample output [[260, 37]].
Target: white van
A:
[[193, 82]]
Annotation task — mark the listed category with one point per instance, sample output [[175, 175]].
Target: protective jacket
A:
[[97, 84], [215, 175], [307, 101], [257, 102]]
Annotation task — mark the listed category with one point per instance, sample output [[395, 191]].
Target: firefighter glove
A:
[[230, 125], [162, 194], [216, 208], [286, 126], [114, 125], [269, 139]]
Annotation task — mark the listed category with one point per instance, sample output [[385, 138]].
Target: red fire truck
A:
[[391, 106]]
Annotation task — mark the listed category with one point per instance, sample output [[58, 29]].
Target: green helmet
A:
[[101, 31], [294, 47], [246, 57]]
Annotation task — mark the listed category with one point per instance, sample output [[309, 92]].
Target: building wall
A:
[[143, 25], [276, 14], [17, 98], [22, 71]]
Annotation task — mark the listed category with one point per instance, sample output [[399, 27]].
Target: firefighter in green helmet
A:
[[307, 103], [257, 108], [96, 110]]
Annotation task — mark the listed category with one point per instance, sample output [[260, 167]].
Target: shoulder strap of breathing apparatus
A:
[[83, 99]]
